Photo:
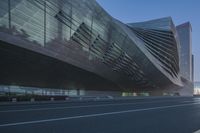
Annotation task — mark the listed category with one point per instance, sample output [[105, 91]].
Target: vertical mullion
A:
[[9, 14], [45, 22], [91, 33], [71, 19]]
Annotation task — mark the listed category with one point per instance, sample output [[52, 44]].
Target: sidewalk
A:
[[87, 99]]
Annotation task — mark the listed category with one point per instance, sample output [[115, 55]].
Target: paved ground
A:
[[151, 115]]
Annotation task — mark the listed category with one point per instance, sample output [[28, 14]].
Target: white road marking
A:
[[186, 101], [197, 131], [74, 107], [93, 115]]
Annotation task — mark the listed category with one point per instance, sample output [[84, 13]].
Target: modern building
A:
[[75, 44], [185, 36]]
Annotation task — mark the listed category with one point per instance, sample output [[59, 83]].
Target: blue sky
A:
[[141, 10]]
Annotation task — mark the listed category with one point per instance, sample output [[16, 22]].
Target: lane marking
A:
[[198, 131], [84, 106], [187, 101], [93, 115]]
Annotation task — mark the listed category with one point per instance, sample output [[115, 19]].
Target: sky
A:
[[181, 11]]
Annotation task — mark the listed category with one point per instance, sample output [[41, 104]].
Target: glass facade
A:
[[186, 61], [42, 21]]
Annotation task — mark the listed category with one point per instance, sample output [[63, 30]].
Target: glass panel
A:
[[4, 14], [27, 20]]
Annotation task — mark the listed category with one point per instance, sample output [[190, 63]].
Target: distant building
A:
[[186, 59], [196, 88]]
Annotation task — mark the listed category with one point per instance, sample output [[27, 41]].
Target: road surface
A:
[[149, 115]]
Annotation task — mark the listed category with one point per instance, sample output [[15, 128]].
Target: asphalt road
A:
[[151, 115]]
